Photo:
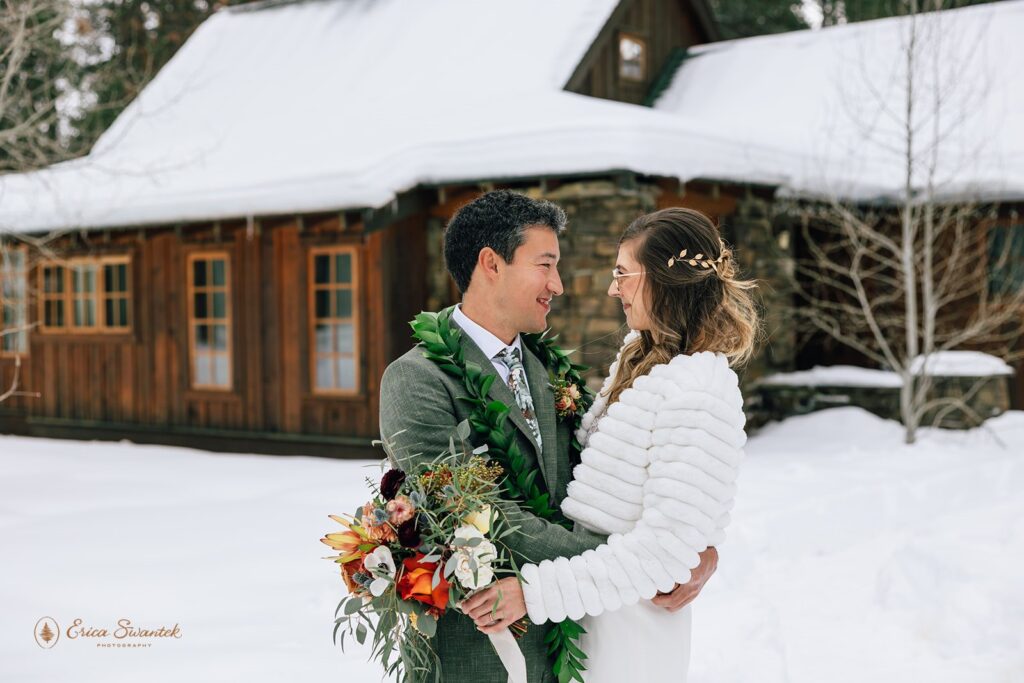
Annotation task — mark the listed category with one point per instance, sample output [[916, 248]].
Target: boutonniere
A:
[[567, 396]]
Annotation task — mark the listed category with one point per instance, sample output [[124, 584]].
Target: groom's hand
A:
[[496, 607], [685, 593]]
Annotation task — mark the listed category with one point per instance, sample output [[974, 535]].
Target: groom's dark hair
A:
[[497, 220]]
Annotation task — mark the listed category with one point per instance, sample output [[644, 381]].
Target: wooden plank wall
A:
[[142, 377], [664, 24]]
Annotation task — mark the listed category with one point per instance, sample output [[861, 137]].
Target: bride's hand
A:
[[496, 607], [685, 593]]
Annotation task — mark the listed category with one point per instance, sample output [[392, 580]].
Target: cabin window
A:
[[209, 318], [81, 295], [1006, 260], [632, 58], [334, 338], [13, 301]]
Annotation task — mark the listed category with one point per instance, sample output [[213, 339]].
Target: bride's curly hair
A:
[[696, 302]]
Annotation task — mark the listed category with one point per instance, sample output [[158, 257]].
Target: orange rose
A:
[[348, 572], [415, 582]]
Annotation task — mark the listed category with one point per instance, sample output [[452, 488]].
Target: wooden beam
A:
[[216, 231], [301, 222]]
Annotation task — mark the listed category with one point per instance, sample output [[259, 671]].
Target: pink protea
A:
[[400, 510]]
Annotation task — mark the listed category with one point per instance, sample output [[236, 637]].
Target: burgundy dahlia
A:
[[390, 483], [409, 533]]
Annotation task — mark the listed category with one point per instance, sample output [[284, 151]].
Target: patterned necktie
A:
[[517, 383]]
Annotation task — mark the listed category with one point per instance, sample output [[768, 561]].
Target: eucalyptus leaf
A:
[[427, 625]]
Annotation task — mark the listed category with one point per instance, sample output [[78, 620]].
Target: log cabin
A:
[[234, 263]]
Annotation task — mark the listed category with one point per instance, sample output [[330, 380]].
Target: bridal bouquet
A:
[[425, 541]]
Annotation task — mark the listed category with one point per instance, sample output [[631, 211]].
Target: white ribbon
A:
[[511, 656]]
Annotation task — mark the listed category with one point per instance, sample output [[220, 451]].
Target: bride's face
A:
[[628, 287]]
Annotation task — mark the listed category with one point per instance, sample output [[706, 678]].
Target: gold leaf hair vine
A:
[[698, 260]]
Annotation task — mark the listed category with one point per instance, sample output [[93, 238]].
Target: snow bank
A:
[[851, 557]]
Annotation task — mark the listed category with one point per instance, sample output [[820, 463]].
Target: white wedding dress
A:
[[658, 475], [659, 639]]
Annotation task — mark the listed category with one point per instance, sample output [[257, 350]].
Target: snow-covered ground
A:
[[851, 558]]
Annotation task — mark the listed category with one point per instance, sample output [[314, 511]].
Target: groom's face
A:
[[530, 281]]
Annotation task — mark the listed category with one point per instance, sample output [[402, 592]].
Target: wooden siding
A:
[[665, 26], [141, 377]]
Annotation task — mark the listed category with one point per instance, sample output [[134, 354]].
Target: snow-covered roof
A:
[[939, 364], [317, 105], [961, 364], [328, 104], [834, 376], [834, 100]]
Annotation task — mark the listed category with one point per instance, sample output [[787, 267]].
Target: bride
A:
[[661, 447]]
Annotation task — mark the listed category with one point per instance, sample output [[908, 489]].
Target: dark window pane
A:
[[322, 299], [108, 313], [343, 268], [321, 269], [219, 305], [122, 306], [60, 313], [1006, 260], [108, 278], [122, 277], [53, 280], [202, 338], [218, 272], [200, 305], [343, 303], [199, 273]]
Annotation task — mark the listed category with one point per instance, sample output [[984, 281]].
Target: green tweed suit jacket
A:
[[419, 410]]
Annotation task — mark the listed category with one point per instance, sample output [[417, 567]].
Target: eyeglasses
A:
[[618, 275]]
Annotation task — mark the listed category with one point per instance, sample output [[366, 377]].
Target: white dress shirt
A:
[[487, 342]]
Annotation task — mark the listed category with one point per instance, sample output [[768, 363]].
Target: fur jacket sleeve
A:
[[658, 475]]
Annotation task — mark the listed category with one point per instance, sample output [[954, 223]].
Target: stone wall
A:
[[586, 318]]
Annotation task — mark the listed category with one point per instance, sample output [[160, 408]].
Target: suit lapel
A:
[[544, 408]]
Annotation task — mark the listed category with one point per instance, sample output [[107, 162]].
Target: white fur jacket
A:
[[659, 476]]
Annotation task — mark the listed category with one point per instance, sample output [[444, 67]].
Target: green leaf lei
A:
[[489, 420]]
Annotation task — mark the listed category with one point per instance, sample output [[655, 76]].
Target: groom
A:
[[502, 251]]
